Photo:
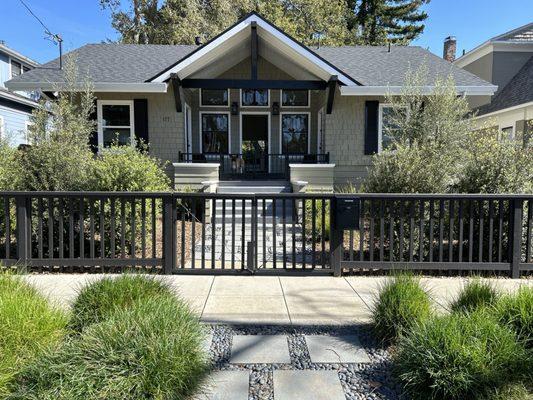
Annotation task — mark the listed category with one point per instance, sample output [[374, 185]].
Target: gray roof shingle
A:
[[129, 63], [518, 91], [519, 35]]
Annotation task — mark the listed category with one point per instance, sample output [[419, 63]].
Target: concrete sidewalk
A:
[[309, 300]]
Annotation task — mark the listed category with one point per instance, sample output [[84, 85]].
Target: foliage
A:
[[400, 304], [59, 157], [28, 326], [389, 21], [516, 311], [97, 301], [496, 165], [10, 168], [513, 391], [319, 209], [181, 21], [150, 350], [124, 168], [459, 356], [427, 141], [475, 294]]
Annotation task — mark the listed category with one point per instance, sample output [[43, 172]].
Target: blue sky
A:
[[82, 21]]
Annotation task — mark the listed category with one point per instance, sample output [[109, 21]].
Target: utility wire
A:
[[47, 31]]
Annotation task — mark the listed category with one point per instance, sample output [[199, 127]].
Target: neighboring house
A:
[[15, 107], [506, 61], [252, 103]]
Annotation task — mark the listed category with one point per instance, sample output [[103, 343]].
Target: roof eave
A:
[[18, 98], [486, 90], [119, 87]]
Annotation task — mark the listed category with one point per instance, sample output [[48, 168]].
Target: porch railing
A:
[[265, 233], [254, 164]]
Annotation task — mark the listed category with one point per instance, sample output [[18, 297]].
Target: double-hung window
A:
[[388, 123], [115, 123], [295, 133], [215, 132]]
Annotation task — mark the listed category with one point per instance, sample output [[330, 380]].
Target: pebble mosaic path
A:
[[292, 363]]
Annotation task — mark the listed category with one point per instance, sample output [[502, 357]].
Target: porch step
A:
[[253, 187]]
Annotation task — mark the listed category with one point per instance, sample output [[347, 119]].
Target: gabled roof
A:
[[518, 91], [134, 68], [518, 39], [236, 34], [19, 56]]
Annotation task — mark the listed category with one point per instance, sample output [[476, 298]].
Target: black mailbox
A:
[[347, 215]]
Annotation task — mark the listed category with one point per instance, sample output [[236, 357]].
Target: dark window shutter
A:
[[140, 111], [371, 126], [93, 137]]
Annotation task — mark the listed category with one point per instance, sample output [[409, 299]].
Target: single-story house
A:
[[251, 103], [505, 60], [15, 106]]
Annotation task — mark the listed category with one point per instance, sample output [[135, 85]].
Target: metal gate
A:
[[224, 233]]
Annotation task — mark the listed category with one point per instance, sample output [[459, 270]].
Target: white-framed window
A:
[[386, 124], [215, 130], [295, 132], [214, 97], [255, 97], [295, 98], [115, 122]]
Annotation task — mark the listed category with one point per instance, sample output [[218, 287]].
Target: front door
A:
[[254, 145]]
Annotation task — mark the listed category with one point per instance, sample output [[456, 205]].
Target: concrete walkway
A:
[[310, 300]]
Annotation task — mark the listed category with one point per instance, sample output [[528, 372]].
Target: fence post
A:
[[169, 227], [23, 206], [336, 248], [516, 237]]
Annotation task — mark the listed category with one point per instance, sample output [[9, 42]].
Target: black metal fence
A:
[[271, 234], [253, 164]]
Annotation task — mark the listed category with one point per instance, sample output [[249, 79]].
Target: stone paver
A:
[[336, 349], [226, 385], [307, 385], [246, 286], [260, 349]]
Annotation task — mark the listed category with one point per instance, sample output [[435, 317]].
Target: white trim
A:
[[195, 165], [488, 90], [501, 128], [492, 46], [298, 107], [504, 110], [314, 166], [99, 116], [308, 129], [15, 54], [200, 113], [262, 24], [268, 114], [240, 99], [213, 106], [27, 125], [2, 133], [18, 98], [137, 87]]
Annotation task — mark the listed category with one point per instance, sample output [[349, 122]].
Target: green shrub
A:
[[400, 304], [28, 325], [97, 301], [513, 391], [125, 168], [319, 226], [475, 294], [150, 350], [459, 356], [516, 311]]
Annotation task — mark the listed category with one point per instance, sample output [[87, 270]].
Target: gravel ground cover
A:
[[360, 381]]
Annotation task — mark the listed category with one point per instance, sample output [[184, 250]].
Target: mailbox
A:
[[347, 213]]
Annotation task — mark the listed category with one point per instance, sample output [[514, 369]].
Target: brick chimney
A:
[[450, 46]]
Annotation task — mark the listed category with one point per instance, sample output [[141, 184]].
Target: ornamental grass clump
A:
[[97, 301], [28, 326], [516, 311], [400, 304], [151, 349], [460, 356], [475, 294]]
